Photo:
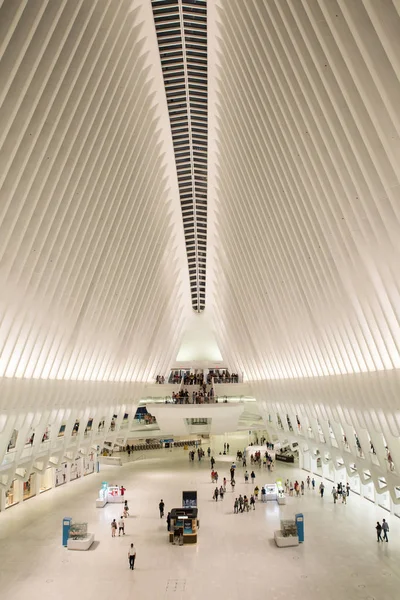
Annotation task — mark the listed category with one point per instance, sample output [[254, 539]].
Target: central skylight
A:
[[181, 27]]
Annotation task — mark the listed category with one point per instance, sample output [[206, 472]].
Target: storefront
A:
[[61, 474], [29, 489], [88, 464], [12, 494], [368, 491], [75, 469], [46, 482]]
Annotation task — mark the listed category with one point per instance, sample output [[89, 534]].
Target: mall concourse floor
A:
[[235, 557]]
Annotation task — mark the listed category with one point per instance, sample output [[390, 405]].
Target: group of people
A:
[[200, 454], [243, 504], [382, 528], [200, 397], [341, 491], [223, 376]]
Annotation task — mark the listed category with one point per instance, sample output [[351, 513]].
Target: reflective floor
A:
[[235, 557]]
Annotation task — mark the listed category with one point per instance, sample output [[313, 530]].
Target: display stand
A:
[[271, 491], [183, 526], [109, 494], [274, 491], [287, 535], [79, 538]]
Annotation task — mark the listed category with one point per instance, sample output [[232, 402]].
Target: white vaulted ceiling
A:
[[306, 186], [111, 231], [91, 252]]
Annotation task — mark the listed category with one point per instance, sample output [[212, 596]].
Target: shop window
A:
[[13, 441], [29, 487], [12, 494], [61, 474], [46, 480]]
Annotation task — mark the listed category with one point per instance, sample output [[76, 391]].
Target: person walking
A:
[[385, 529], [227, 447], [233, 483], [313, 483], [378, 531], [212, 462], [253, 502], [240, 503], [256, 491], [246, 477], [161, 507], [253, 476], [168, 521], [334, 494], [121, 526], [308, 482], [236, 506], [321, 489], [344, 495], [224, 484], [132, 557], [221, 492], [347, 489], [113, 527], [216, 494], [302, 488], [126, 509]]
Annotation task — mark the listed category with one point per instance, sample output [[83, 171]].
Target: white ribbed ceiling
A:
[[290, 167]]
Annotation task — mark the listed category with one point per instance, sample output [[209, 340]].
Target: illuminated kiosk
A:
[[183, 526], [274, 491], [110, 494]]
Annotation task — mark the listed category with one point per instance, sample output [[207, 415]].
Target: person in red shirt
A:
[[122, 490]]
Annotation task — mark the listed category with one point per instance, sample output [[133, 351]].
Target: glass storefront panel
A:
[[383, 500], [88, 464], [75, 469], [29, 487], [12, 494], [61, 474], [368, 492], [46, 480]]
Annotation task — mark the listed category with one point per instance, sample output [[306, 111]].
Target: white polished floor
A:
[[235, 557]]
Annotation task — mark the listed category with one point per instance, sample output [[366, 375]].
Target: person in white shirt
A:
[[132, 556], [121, 526]]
